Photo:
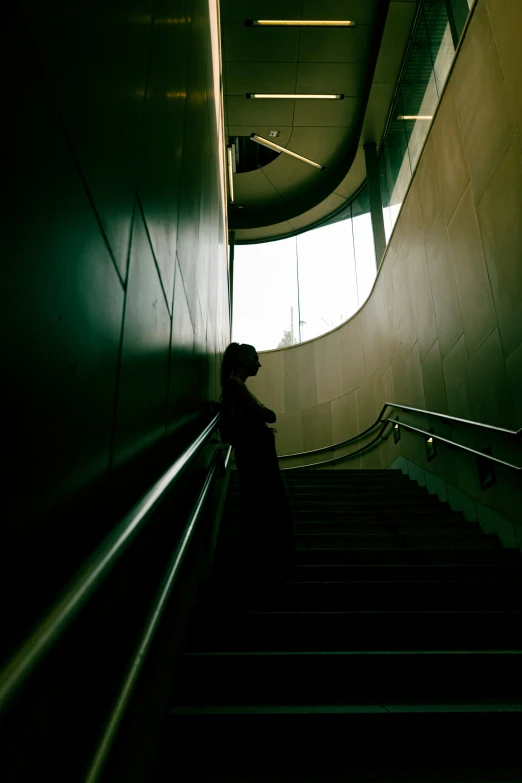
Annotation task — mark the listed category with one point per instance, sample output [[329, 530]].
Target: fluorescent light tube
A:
[[294, 96], [298, 23], [230, 175], [415, 117], [272, 146]]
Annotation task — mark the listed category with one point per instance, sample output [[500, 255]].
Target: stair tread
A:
[[500, 705], [514, 612]]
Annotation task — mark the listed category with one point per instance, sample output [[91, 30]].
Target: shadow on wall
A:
[[442, 328]]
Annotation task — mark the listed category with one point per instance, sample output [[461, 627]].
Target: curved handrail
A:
[[92, 573], [336, 445], [379, 419], [384, 421], [334, 460]]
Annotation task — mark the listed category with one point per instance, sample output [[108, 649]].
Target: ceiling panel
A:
[[290, 176], [266, 232], [243, 111], [336, 113], [323, 147], [288, 193], [330, 77], [329, 205], [260, 77], [328, 45], [361, 11], [239, 10], [260, 44], [254, 190]]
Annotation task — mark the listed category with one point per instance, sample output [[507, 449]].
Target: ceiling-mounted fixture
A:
[[230, 175], [415, 117], [271, 145], [295, 96], [298, 23]]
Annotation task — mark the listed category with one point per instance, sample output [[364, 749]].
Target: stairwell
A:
[[394, 655]]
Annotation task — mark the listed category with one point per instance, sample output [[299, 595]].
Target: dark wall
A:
[[115, 275]]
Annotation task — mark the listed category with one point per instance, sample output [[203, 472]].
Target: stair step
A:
[[346, 475], [315, 541], [367, 677], [304, 475], [355, 474], [383, 595], [383, 483], [393, 556], [375, 747], [342, 492], [510, 574], [411, 706], [427, 506], [394, 655], [371, 527], [356, 630], [365, 511]]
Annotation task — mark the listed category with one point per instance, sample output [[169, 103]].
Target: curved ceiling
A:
[[361, 62]]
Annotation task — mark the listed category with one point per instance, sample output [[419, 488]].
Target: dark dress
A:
[[266, 517]]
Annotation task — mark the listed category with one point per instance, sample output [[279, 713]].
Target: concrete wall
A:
[[116, 275], [442, 328]]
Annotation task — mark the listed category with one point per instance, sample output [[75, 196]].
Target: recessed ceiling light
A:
[[298, 23], [295, 96], [273, 146], [415, 117]]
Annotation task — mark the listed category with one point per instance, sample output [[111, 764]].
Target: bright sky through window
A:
[[336, 267]]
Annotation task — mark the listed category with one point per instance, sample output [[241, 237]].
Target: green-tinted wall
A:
[[115, 275]]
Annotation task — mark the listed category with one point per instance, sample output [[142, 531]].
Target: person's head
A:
[[241, 359]]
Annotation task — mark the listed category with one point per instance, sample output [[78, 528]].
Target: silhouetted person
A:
[[266, 518]]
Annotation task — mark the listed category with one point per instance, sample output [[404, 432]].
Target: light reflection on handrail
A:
[[153, 621], [453, 444], [454, 419], [92, 573]]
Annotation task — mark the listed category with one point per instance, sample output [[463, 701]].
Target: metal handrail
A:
[[379, 419], [516, 433], [384, 423], [90, 576], [333, 461], [336, 445], [453, 444], [151, 627]]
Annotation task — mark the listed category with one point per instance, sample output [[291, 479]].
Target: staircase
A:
[[394, 655]]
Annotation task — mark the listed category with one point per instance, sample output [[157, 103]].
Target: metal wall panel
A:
[[114, 120]]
